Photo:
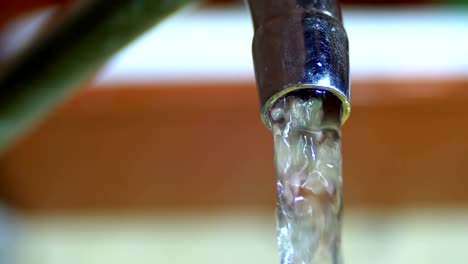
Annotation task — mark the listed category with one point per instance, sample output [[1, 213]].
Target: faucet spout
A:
[[299, 44]]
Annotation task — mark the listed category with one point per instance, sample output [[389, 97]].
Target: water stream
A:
[[307, 138]]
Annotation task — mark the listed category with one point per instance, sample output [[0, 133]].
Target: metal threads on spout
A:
[[299, 44]]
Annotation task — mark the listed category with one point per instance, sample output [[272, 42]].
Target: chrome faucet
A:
[[298, 44]]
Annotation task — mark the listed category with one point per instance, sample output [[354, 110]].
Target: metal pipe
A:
[[299, 44]]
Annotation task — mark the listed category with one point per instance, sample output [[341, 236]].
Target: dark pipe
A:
[[52, 70]]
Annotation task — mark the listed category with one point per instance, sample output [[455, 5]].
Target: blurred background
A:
[[162, 156]]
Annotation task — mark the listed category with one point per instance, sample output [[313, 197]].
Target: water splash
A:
[[307, 137]]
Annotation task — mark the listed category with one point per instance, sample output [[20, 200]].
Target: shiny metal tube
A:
[[299, 44]]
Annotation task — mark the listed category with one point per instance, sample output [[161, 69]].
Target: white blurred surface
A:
[[215, 45], [404, 237]]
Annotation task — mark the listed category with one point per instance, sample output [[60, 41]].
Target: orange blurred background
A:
[[196, 145]]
